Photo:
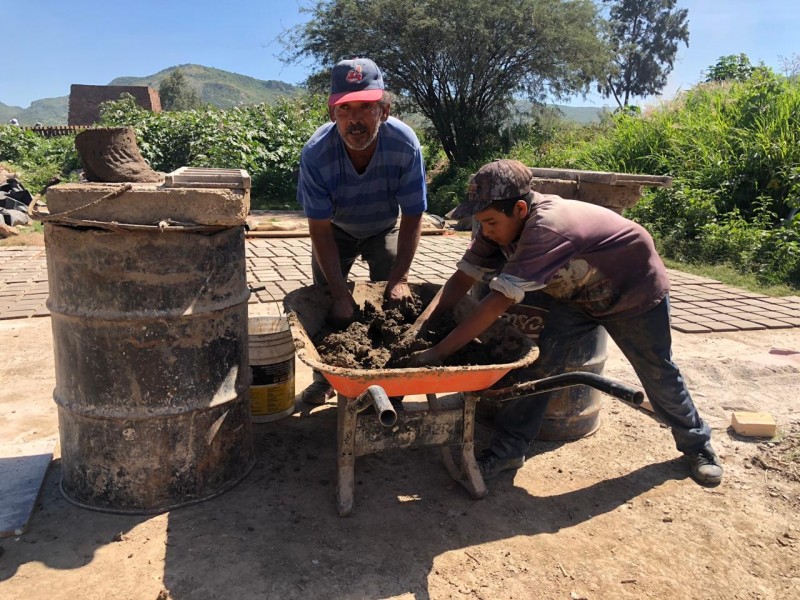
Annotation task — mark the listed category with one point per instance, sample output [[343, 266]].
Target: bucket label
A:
[[271, 399], [280, 372]]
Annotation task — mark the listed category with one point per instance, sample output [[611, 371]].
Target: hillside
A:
[[581, 114], [220, 88], [48, 111]]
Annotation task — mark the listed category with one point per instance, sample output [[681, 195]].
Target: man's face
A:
[[499, 227], [358, 122]]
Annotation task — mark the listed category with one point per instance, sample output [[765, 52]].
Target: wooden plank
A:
[[22, 471], [603, 177]]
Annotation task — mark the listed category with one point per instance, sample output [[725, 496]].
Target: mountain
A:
[[215, 86], [578, 114], [48, 111], [581, 114], [220, 88]]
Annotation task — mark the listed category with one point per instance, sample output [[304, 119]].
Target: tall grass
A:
[[733, 150]]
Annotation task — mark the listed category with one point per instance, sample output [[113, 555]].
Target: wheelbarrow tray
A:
[[309, 306]]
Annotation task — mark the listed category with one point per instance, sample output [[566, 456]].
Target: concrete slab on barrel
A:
[[149, 203]]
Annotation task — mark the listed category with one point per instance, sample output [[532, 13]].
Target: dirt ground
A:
[[612, 515]]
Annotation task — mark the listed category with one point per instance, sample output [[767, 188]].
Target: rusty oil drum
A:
[[572, 412], [152, 377]]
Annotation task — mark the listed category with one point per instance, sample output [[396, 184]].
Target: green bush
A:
[[39, 160], [266, 140], [448, 187]]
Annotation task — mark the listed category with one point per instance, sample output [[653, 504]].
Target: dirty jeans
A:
[[378, 251], [646, 342]]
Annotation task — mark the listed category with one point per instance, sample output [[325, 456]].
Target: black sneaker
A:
[[705, 465], [317, 393], [491, 465]]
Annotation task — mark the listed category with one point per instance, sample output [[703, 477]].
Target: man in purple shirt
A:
[[357, 174], [602, 270]]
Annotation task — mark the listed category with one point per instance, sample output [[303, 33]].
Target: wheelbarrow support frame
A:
[[448, 422]]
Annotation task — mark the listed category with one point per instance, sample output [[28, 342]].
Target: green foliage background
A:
[[732, 148], [39, 160], [264, 139]]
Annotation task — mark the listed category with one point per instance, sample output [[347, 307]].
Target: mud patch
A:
[[374, 340]]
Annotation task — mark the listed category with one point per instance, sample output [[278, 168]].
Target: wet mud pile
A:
[[374, 340]]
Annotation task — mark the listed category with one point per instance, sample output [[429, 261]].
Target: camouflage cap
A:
[[499, 180]]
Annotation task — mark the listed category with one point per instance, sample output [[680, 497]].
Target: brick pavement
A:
[[699, 305]]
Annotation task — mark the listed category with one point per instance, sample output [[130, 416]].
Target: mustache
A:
[[356, 129]]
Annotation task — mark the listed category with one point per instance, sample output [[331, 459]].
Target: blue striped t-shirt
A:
[[366, 204]]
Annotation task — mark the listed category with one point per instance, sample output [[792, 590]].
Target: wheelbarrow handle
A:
[[563, 380]]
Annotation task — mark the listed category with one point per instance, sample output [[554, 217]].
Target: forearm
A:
[[327, 254], [453, 290], [486, 313], [407, 243]]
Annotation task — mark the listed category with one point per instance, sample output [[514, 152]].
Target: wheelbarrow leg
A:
[[346, 461], [467, 474], [472, 474]]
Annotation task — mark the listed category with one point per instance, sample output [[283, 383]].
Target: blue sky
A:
[[52, 44]]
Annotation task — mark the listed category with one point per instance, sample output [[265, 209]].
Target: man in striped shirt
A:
[[358, 173]]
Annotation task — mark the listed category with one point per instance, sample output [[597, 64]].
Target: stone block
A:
[[753, 424]]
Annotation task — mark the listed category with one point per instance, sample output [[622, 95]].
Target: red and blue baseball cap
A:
[[355, 80]]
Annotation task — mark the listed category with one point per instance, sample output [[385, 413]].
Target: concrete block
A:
[[754, 424], [148, 203]]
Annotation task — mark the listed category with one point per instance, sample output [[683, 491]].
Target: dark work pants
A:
[[646, 342], [378, 251]]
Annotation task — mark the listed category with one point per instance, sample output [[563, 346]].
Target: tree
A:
[[734, 67], [460, 62], [644, 36], [177, 94], [790, 66]]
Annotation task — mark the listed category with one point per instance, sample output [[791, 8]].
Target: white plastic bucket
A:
[[272, 365]]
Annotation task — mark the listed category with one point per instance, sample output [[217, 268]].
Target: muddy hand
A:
[[424, 358], [342, 311], [398, 294]]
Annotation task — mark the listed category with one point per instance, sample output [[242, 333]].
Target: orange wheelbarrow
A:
[[448, 422]]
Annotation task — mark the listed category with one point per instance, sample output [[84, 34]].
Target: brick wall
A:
[[84, 100]]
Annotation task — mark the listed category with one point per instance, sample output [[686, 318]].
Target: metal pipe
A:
[[376, 396], [609, 386]]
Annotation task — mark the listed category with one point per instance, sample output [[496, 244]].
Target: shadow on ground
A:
[[278, 535]]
